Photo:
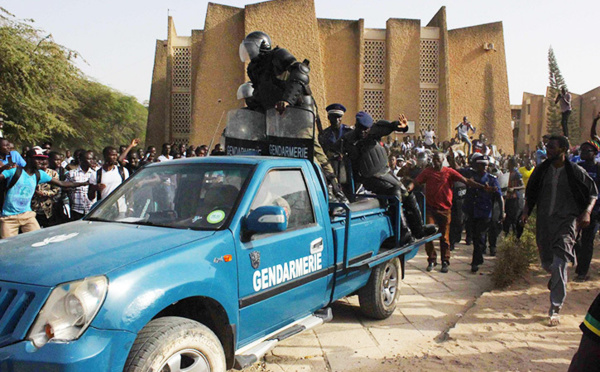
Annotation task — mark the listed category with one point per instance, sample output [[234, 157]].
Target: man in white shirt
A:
[[564, 98], [106, 179], [463, 132], [166, 149], [405, 146], [428, 139], [68, 159]]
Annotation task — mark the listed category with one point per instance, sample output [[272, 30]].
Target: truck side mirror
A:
[[266, 219]]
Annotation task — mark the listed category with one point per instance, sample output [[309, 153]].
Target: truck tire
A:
[[173, 344], [378, 297]]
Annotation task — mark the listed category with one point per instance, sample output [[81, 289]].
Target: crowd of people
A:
[[475, 188], [43, 187]]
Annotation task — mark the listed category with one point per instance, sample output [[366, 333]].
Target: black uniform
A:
[[457, 222], [370, 167], [327, 139], [277, 76]]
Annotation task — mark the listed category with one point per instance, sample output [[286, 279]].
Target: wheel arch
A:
[[209, 312]]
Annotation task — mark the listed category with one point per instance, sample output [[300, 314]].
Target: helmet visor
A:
[[248, 51], [244, 56]]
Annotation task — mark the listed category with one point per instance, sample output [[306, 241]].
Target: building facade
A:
[[433, 75], [533, 124]]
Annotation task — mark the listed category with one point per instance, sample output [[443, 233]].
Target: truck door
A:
[[283, 276]]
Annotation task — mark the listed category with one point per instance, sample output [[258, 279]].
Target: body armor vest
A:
[[373, 161]]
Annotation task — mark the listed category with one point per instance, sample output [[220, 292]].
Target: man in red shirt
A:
[[438, 193]]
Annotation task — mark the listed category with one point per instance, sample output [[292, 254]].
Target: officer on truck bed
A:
[[279, 81], [370, 167]]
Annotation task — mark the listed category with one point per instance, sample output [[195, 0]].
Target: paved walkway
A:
[[429, 304]]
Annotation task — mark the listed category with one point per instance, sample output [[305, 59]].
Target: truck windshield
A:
[[185, 196]]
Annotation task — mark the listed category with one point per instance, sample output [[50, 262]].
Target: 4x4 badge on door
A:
[[255, 259]]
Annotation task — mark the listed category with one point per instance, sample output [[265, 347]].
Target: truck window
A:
[[287, 189], [191, 196]]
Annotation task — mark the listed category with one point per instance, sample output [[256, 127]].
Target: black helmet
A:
[[253, 44]]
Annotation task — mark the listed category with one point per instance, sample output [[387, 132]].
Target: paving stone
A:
[[353, 339], [393, 340], [428, 303], [358, 359]]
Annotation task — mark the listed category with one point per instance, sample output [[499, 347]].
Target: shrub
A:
[[515, 256]]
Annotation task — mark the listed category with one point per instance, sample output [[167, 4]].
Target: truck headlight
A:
[[69, 310]]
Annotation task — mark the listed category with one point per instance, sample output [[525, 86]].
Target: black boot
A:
[[415, 218], [406, 236]]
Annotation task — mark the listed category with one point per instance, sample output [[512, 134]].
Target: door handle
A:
[[316, 246]]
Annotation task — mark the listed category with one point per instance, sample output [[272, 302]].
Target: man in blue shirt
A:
[[21, 185], [8, 157], [540, 153], [478, 206]]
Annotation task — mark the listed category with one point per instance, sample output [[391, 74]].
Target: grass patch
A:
[[514, 256]]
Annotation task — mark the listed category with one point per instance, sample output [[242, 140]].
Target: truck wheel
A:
[[173, 344], [378, 297]]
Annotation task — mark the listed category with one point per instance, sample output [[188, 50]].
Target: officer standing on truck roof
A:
[[279, 81], [370, 167]]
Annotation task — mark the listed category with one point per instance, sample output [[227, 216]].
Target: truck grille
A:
[[19, 305]]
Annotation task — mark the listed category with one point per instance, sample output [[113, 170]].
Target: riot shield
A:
[[291, 134], [245, 133]]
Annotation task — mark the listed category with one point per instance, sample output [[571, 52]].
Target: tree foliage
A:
[[44, 96], [553, 118]]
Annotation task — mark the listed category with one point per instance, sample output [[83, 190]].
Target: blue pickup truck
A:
[[200, 264]]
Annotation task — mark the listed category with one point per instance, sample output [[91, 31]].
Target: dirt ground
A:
[[498, 330], [508, 330]]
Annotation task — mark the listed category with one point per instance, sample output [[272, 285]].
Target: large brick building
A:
[[433, 75], [533, 122]]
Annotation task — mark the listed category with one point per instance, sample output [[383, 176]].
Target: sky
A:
[[117, 38]]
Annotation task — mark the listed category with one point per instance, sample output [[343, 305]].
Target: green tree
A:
[[44, 96], [553, 117]]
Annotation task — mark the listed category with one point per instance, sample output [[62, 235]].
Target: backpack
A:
[[15, 179], [99, 179]]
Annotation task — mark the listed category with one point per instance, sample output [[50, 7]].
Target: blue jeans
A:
[[465, 138]]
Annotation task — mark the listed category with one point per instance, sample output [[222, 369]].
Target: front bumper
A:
[[96, 350]]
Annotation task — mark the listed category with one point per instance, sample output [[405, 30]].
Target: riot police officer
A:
[[336, 130], [279, 81], [329, 137], [370, 167]]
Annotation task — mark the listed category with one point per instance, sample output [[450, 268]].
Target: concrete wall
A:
[[402, 81], [472, 81], [341, 56], [532, 122], [479, 82], [197, 109], [157, 116], [585, 107], [292, 24], [220, 72], [445, 128]]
